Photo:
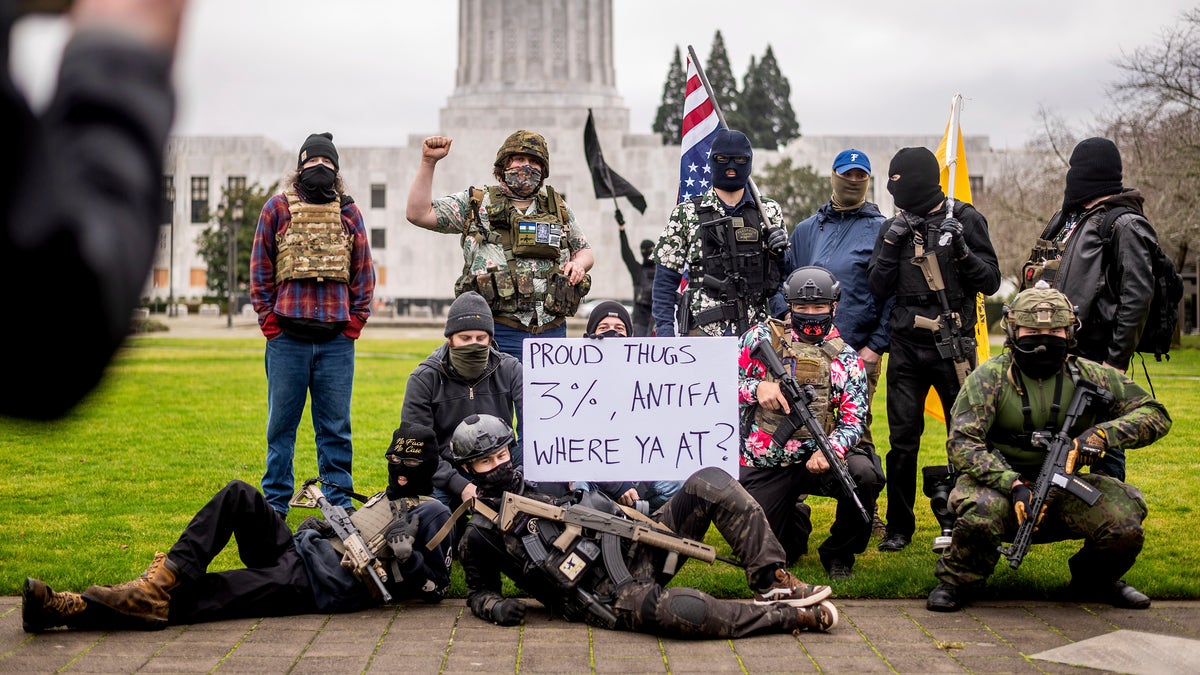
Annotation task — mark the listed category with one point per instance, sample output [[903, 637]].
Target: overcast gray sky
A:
[[385, 67]]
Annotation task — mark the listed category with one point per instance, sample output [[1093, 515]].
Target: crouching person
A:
[[582, 586], [285, 573]]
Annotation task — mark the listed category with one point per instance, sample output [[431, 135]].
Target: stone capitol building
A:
[[558, 63]]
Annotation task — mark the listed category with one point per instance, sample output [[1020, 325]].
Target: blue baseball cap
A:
[[851, 159]]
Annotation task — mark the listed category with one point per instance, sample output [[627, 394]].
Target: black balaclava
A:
[[1039, 356], [606, 309], [913, 180], [501, 478], [647, 249], [315, 183], [730, 143], [414, 455], [1095, 172]]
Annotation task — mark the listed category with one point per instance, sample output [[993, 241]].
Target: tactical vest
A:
[[810, 364], [542, 235], [315, 245], [738, 255], [644, 291], [373, 520], [1012, 429], [912, 289]]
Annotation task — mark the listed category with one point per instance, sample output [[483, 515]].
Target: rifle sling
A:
[[471, 504]]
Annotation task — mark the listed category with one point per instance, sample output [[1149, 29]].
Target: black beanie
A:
[[318, 145], [470, 311], [606, 309], [914, 180], [1095, 172]]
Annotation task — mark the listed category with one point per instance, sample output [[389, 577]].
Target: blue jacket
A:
[[842, 242]]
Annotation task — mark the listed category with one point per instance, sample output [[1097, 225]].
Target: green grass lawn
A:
[[90, 498]]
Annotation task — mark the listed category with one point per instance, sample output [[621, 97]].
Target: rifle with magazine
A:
[[952, 344], [798, 399], [1058, 470], [358, 557]]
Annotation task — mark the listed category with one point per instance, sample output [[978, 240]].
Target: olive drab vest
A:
[[810, 364], [542, 235], [315, 245], [746, 260], [1012, 428]]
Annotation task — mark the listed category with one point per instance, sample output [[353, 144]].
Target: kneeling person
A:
[[777, 468], [783, 603], [285, 574], [1003, 403]]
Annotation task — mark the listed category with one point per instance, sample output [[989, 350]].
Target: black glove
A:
[[952, 233], [508, 612], [1022, 501], [401, 535], [777, 241], [1087, 447], [322, 527], [898, 230]]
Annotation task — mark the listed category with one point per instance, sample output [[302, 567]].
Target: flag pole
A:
[[952, 153], [766, 222]]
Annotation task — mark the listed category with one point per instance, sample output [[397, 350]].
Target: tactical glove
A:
[[777, 241], [401, 535], [1087, 447], [508, 612], [1022, 501], [899, 229], [952, 230]]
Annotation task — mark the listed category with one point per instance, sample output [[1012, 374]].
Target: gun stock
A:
[[798, 400]]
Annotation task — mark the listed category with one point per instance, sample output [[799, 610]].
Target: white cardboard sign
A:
[[629, 408]]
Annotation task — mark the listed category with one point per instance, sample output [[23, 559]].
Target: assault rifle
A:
[[798, 399], [732, 288], [1058, 470], [951, 343], [358, 558]]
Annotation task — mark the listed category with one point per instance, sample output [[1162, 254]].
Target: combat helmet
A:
[[479, 436], [522, 142], [1040, 307], [811, 285]]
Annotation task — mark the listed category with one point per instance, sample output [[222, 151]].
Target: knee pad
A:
[[683, 612], [708, 482]]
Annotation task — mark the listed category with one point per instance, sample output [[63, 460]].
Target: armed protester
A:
[[522, 249], [803, 395], [932, 261], [565, 554], [1017, 415], [311, 571], [731, 250]]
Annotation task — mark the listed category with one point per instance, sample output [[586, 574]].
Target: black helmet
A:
[[811, 284], [478, 436]]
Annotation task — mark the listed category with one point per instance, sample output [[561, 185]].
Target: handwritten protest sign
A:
[[629, 408]]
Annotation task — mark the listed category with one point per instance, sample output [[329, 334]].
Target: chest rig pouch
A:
[[539, 235], [315, 244], [810, 365], [733, 256]]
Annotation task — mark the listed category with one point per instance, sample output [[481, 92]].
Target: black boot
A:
[[944, 598]]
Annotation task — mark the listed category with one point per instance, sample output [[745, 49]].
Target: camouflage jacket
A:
[[679, 246], [1134, 420], [454, 217]]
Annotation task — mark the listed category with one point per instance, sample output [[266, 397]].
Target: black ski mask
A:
[[1040, 356], [316, 184], [733, 147], [412, 455]]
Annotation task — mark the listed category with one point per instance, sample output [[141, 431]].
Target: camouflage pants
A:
[[708, 496], [1111, 530]]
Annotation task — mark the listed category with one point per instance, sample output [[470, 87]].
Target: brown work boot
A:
[[146, 599], [821, 618], [42, 608], [788, 590]]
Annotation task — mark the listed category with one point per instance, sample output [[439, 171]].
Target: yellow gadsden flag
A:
[[958, 189]]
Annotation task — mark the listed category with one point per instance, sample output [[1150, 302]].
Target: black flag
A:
[[606, 181]]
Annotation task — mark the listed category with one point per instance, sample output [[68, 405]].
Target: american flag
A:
[[700, 125]]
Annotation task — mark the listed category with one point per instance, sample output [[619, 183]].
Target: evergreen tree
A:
[[754, 108], [724, 85], [668, 123], [769, 105], [800, 191], [213, 243]]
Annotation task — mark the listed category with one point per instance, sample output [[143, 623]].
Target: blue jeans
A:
[[293, 369], [509, 339], [656, 492]]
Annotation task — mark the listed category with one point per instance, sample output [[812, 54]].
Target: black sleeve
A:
[[479, 552], [631, 262], [882, 273], [82, 200], [979, 270]]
